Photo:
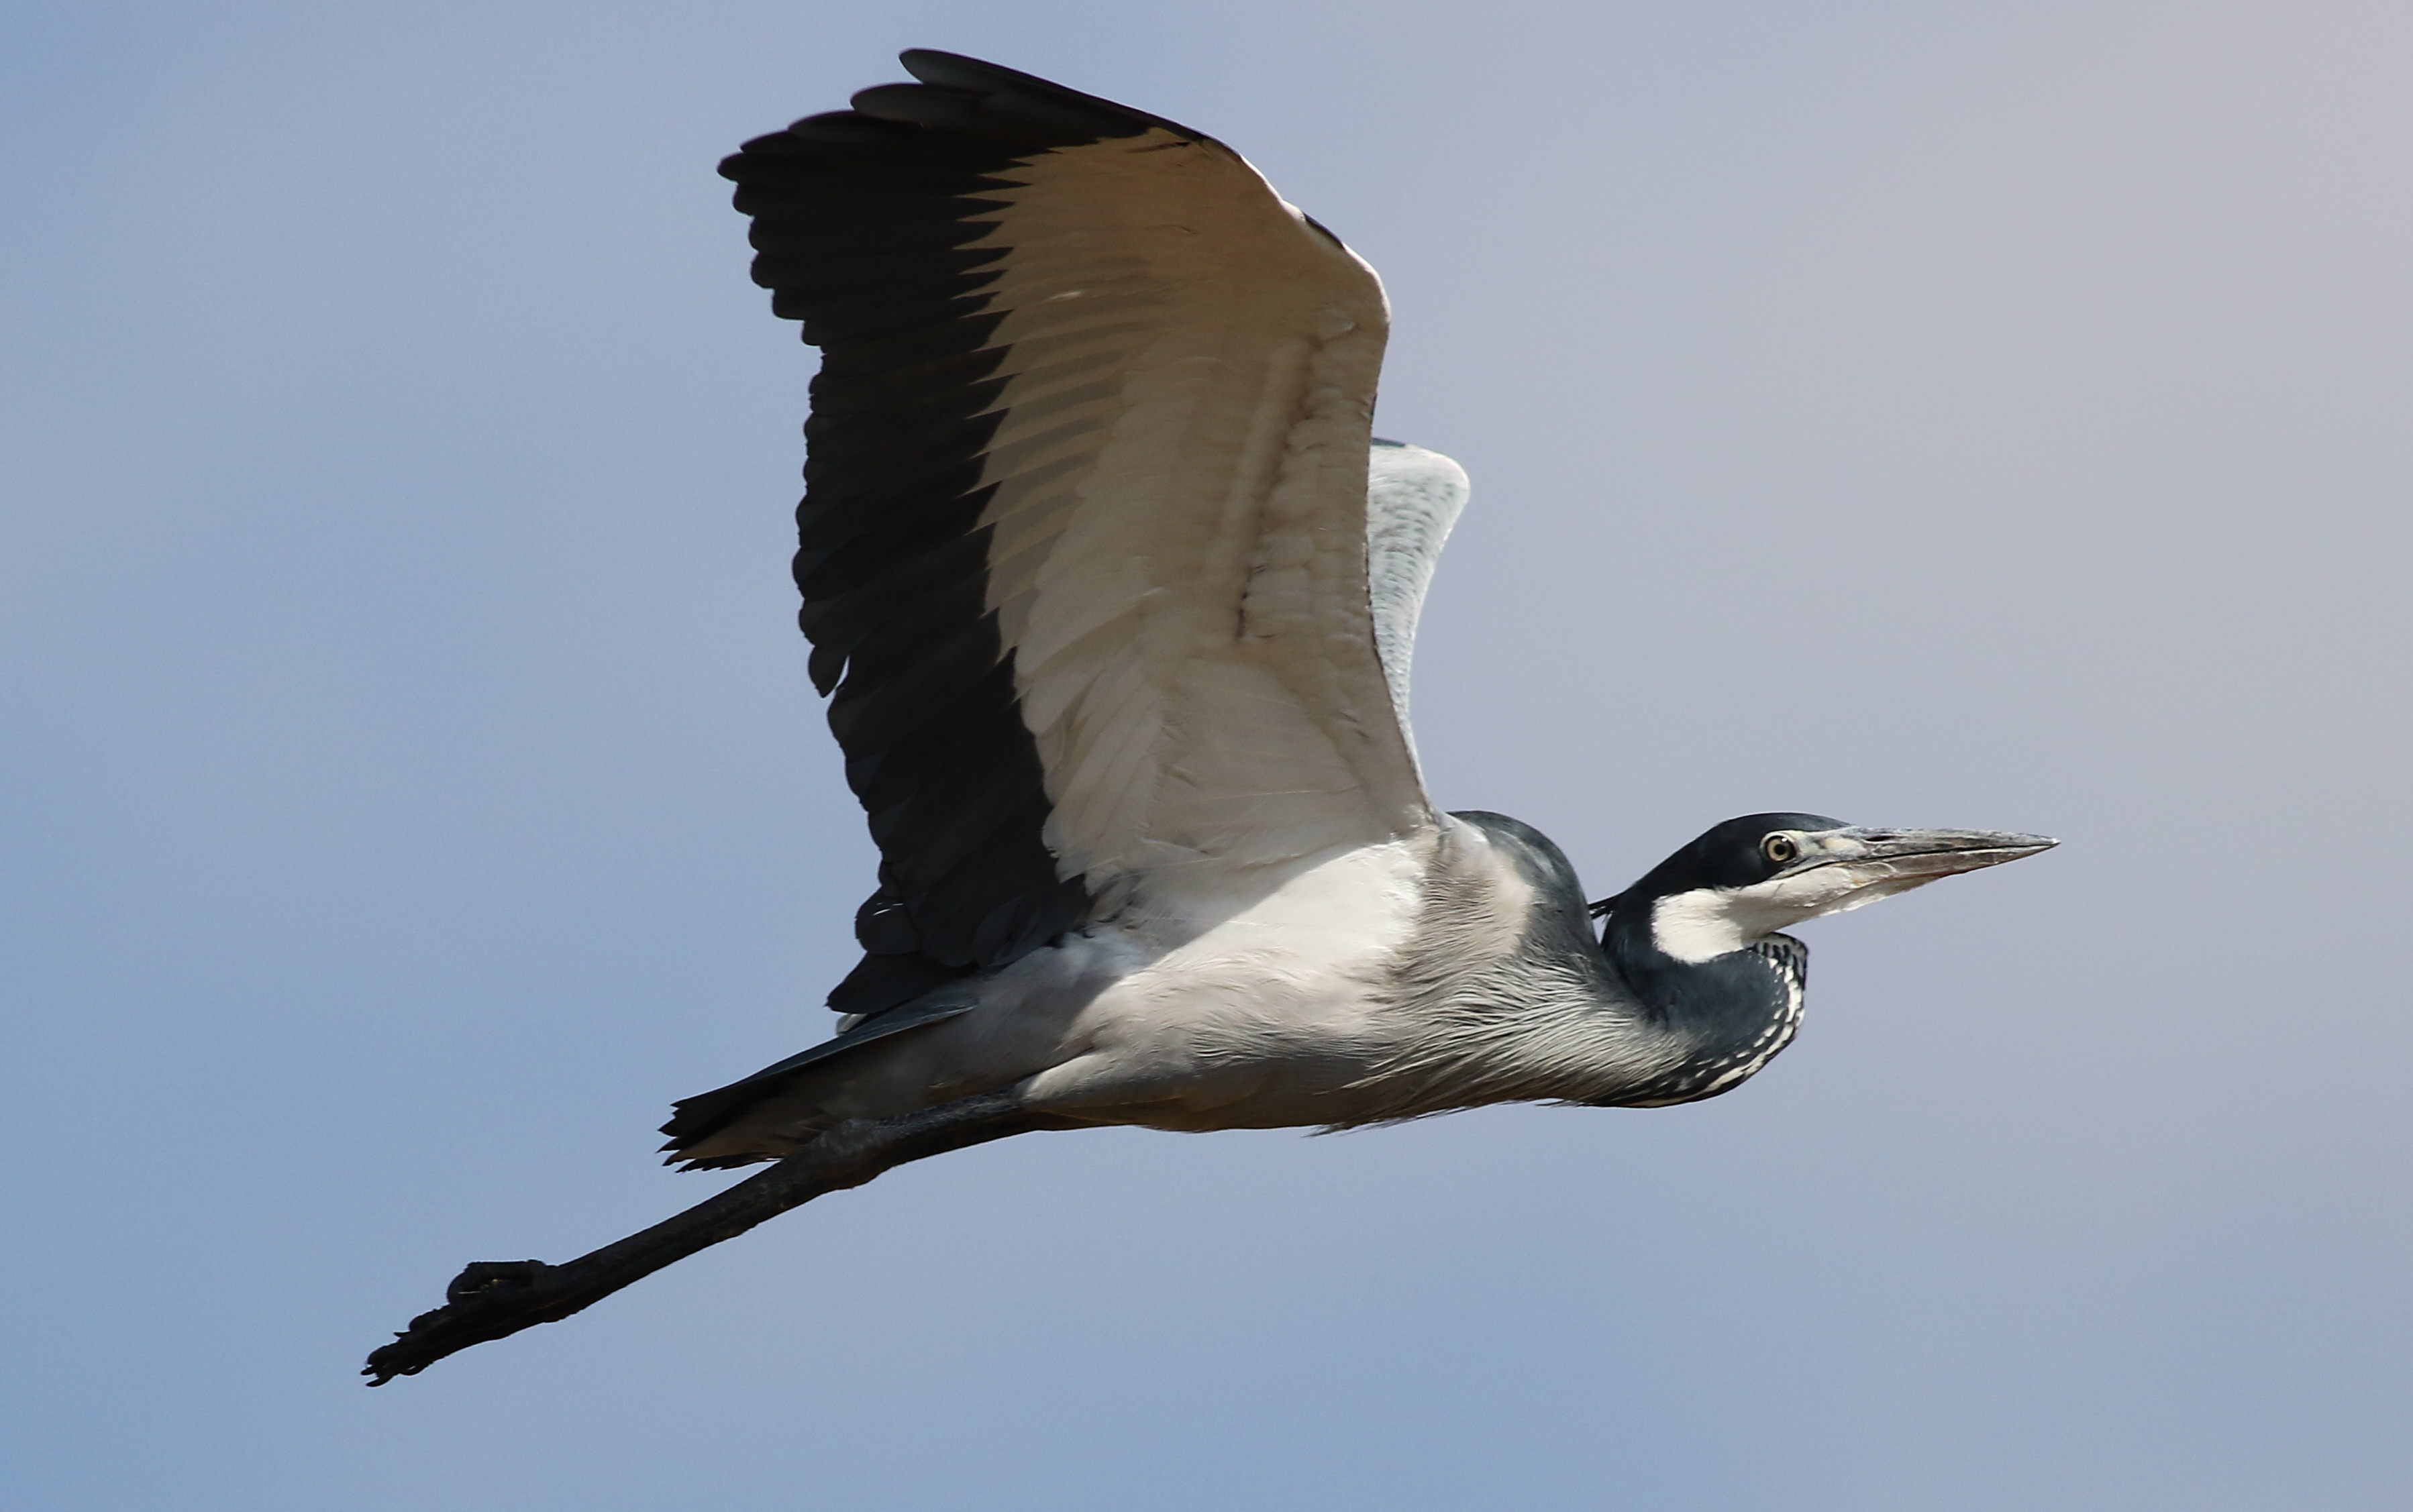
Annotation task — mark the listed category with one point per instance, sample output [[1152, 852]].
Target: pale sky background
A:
[[1981, 414]]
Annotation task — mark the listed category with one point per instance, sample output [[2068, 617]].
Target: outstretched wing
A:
[[1412, 497], [1084, 543]]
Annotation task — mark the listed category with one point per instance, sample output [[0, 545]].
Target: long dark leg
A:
[[492, 1298]]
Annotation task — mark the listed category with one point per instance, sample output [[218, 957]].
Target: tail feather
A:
[[705, 1131]]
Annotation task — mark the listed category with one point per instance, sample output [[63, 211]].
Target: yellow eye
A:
[[1779, 848]]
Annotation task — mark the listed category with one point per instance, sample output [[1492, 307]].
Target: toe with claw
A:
[[488, 1300]]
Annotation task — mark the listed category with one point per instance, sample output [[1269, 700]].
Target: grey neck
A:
[[1733, 1012]]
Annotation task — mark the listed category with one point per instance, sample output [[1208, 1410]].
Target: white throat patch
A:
[[1710, 922]]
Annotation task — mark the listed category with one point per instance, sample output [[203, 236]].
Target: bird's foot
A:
[[488, 1300]]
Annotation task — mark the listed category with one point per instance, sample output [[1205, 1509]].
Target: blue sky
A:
[[1969, 414]]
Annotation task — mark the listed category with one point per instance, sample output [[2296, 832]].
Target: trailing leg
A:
[[489, 1300]]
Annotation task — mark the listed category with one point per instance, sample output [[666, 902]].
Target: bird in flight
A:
[[1112, 592]]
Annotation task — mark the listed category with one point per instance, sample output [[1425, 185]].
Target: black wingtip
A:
[[1102, 117]]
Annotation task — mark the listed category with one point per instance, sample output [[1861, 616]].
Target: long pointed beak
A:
[[1917, 855], [1840, 870]]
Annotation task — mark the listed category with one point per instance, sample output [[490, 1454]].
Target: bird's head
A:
[[1746, 878]]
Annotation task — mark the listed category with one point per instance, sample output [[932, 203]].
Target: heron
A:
[[1112, 591]]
